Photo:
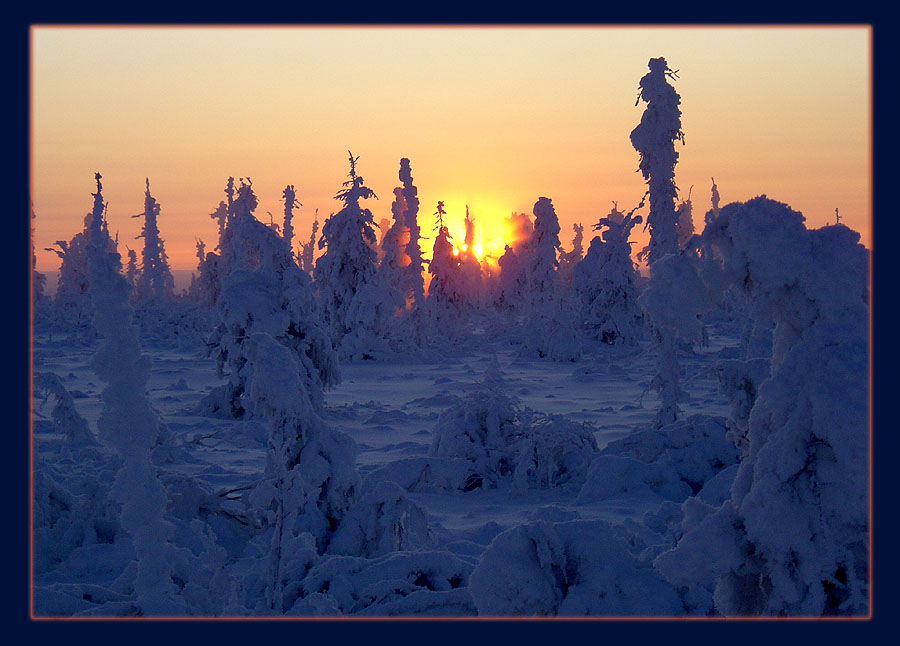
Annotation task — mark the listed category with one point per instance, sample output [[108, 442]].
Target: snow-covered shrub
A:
[[605, 283], [506, 441], [654, 138], [424, 583], [265, 292], [66, 419], [793, 537], [611, 475], [693, 450], [353, 297], [383, 520], [576, 568], [553, 328], [72, 512]]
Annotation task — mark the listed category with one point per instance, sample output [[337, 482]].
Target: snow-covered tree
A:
[[129, 424], [654, 138], [545, 258], [415, 268], [568, 259], [392, 268], [354, 300], [155, 284], [38, 280], [443, 304], [72, 299], [132, 273], [684, 223], [307, 249], [310, 479], [793, 537], [469, 284], [674, 300], [605, 282], [265, 292], [290, 201]]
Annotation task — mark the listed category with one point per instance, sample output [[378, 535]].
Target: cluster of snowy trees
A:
[[786, 534]]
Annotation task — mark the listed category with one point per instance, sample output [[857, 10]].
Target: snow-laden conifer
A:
[[793, 538], [290, 201], [129, 424], [605, 282], [353, 299], [155, 283], [654, 138], [265, 292]]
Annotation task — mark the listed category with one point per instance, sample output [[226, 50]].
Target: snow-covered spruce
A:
[[444, 305], [552, 326], [155, 284], [354, 300], [130, 425], [792, 539], [654, 138], [415, 268], [605, 282], [287, 230], [265, 292], [576, 568]]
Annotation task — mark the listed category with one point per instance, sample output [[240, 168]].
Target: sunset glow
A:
[[490, 117]]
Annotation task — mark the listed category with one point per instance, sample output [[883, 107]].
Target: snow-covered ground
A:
[[390, 409]]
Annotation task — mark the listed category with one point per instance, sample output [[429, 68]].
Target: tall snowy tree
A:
[[545, 245], [569, 259], [415, 268], [155, 284], [654, 138], [265, 292], [129, 424], [443, 302], [307, 249], [394, 259], [290, 201], [792, 539], [354, 301]]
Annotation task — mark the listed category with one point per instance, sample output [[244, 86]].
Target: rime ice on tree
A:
[[654, 138]]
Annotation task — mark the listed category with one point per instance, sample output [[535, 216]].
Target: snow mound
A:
[[403, 583], [576, 568]]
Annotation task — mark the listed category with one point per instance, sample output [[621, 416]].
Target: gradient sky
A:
[[492, 117]]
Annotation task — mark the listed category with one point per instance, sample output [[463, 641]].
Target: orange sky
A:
[[491, 117]]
